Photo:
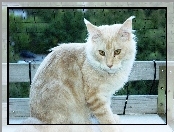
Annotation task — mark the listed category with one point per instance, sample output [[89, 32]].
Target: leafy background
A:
[[42, 29]]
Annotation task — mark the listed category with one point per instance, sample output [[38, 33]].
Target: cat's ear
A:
[[126, 29], [93, 30]]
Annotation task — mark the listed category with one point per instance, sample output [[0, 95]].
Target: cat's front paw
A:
[[117, 118]]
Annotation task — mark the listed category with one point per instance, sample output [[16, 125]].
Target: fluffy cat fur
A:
[[74, 83]]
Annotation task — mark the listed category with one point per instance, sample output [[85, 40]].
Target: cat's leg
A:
[[100, 107], [105, 116]]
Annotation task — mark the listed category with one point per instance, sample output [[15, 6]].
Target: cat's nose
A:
[[109, 66]]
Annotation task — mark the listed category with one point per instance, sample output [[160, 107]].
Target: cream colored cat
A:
[[75, 82]]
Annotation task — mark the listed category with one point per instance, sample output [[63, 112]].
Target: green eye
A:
[[101, 52], [117, 52]]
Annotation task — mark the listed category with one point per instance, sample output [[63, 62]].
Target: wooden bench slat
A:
[[142, 70], [141, 104]]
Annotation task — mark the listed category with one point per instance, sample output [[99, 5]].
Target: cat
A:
[[75, 82]]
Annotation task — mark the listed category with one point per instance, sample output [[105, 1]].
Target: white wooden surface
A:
[[125, 119]]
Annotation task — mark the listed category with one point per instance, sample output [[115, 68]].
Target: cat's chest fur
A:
[[102, 80]]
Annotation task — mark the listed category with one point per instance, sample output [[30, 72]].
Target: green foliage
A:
[[13, 58], [19, 90], [45, 28]]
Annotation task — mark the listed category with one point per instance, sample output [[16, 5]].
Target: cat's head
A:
[[109, 46]]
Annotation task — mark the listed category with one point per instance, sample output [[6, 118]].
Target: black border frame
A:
[[8, 8]]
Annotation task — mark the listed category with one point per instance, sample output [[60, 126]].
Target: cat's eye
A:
[[101, 52], [117, 52]]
